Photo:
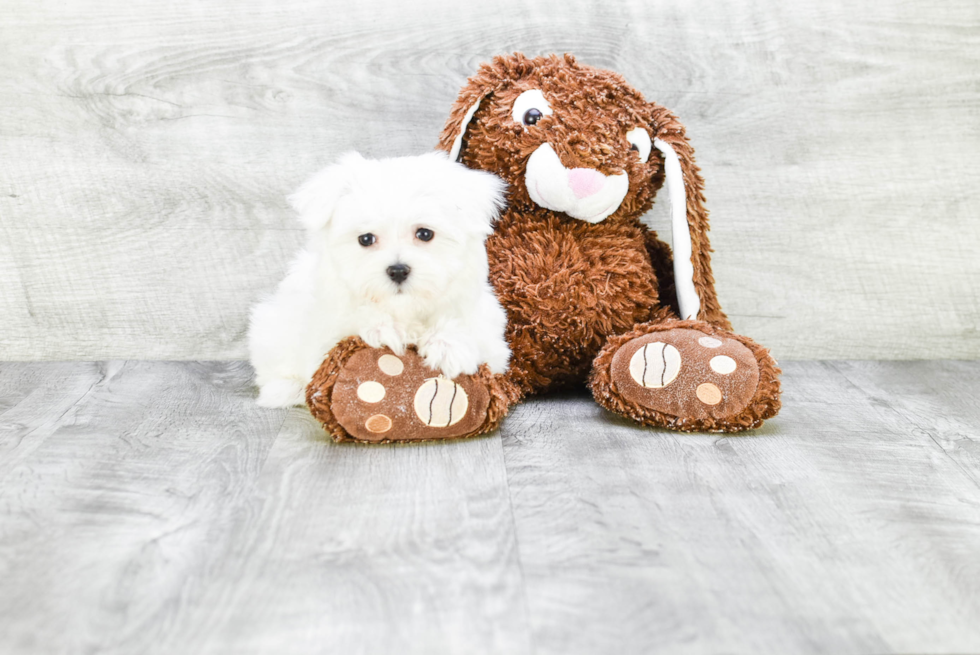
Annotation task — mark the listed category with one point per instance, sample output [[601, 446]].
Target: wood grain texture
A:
[[845, 525], [146, 150], [354, 549], [936, 401], [119, 484], [153, 508]]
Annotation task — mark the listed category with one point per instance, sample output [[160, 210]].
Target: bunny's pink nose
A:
[[585, 181]]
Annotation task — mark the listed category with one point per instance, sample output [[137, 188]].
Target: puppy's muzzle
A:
[[398, 272]]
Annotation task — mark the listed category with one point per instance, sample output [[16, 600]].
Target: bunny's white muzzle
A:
[[582, 193]]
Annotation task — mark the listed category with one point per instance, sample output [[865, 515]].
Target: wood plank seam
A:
[[907, 421], [499, 436]]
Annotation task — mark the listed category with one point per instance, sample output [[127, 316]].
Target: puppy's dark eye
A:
[[634, 147], [367, 239], [532, 116], [424, 234]]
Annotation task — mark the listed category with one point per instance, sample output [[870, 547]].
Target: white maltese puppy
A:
[[395, 254]]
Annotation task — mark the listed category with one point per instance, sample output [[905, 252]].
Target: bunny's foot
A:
[[371, 395], [688, 376]]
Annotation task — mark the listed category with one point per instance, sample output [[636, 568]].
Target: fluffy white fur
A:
[[337, 288]]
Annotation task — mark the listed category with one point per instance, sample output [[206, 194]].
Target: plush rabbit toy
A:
[[592, 295]]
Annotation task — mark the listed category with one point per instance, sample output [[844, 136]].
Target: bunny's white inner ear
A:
[[458, 141], [687, 296]]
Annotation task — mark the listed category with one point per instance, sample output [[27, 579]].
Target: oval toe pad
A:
[[686, 373]]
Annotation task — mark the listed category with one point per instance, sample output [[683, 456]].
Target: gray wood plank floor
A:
[[151, 507]]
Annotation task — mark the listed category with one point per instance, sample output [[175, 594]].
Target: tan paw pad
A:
[[440, 402], [709, 394], [371, 391], [723, 364], [655, 365], [390, 365], [378, 424]]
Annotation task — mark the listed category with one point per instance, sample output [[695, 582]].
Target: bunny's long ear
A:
[[460, 130], [477, 89], [693, 279], [453, 134]]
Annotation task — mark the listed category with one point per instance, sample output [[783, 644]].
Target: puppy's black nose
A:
[[399, 272]]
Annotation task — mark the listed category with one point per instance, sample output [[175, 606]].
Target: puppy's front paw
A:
[[452, 356], [385, 334], [498, 356], [283, 392]]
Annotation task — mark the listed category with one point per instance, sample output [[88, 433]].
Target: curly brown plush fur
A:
[[585, 300], [569, 286], [593, 111]]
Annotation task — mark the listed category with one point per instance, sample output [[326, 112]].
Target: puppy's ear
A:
[[693, 279], [480, 197], [317, 198]]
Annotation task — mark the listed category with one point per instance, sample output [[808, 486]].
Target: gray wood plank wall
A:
[[146, 149]]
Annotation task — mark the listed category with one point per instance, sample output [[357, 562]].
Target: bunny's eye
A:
[[640, 143], [530, 107], [367, 239]]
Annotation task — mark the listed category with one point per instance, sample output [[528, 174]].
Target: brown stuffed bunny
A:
[[591, 294]]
